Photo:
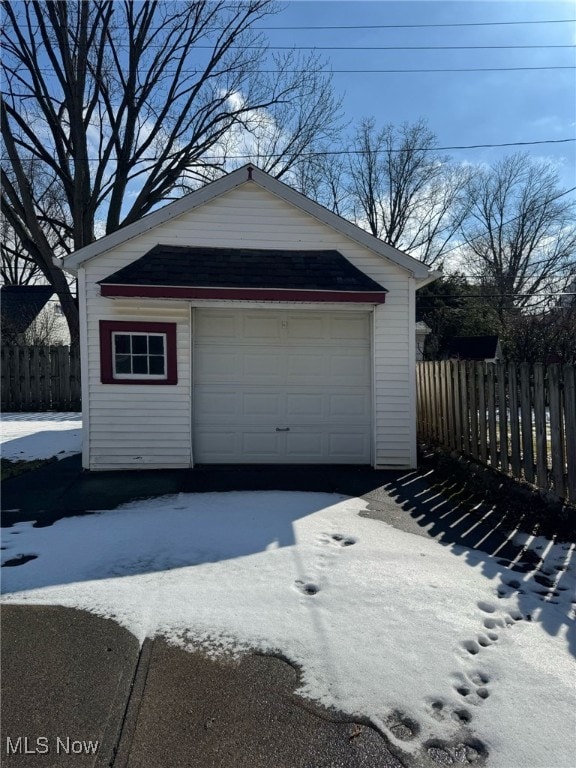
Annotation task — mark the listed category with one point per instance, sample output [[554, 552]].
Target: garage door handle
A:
[[285, 429]]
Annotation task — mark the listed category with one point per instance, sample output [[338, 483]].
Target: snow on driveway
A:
[[28, 436], [436, 644]]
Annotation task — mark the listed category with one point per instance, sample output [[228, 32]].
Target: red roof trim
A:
[[241, 294]]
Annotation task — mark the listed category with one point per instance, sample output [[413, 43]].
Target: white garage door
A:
[[281, 386]]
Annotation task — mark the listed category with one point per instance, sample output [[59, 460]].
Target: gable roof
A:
[[473, 347], [249, 174], [21, 304], [171, 265]]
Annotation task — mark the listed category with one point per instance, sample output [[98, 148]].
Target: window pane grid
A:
[[139, 354]]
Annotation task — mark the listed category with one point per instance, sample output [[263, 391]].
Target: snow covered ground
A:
[[28, 436], [441, 642]]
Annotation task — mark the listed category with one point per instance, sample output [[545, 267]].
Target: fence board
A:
[[526, 423], [464, 413], [491, 406], [502, 417], [540, 426], [438, 401], [473, 410], [569, 376], [520, 419], [40, 379], [456, 398], [483, 432], [556, 445], [445, 403], [514, 421]]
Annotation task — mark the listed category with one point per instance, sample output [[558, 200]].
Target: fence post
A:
[[570, 427]]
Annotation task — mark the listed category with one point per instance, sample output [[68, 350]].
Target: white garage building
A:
[[244, 323]]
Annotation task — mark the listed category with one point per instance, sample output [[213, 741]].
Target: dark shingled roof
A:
[[473, 347], [21, 304], [168, 265]]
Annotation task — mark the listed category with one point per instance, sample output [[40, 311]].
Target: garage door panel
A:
[[300, 404], [350, 328], [209, 404], [262, 405], [215, 446], [306, 328], [268, 364], [349, 405], [219, 325], [305, 446], [306, 366], [348, 446], [264, 327], [351, 367]]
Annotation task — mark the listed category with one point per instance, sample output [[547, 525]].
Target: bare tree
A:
[[16, 268], [323, 177], [542, 337], [121, 103], [520, 234], [403, 190]]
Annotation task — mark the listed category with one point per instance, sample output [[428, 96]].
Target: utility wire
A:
[[35, 27], [366, 71], [423, 26], [329, 152], [365, 47]]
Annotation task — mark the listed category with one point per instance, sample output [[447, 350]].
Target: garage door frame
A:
[[367, 309]]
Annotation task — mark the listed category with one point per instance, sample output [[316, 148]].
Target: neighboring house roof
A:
[[240, 269], [251, 175], [473, 347], [21, 304]]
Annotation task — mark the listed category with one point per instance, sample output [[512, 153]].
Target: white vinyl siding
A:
[[245, 217]]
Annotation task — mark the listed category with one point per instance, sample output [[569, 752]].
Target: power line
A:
[[329, 152], [421, 26], [35, 28], [367, 47], [367, 71]]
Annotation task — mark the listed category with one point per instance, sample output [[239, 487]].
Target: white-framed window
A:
[[138, 355]]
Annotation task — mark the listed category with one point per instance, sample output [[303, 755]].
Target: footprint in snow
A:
[[338, 540], [306, 587], [402, 726]]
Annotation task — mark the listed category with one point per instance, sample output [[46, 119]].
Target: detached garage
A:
[[245, 323]]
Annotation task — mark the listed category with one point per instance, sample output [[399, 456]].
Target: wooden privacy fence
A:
[[40, 379], [517, 418]]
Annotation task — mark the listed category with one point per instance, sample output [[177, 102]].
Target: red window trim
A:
[[108, 327]]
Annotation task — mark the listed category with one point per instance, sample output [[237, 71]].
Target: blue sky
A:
[[461, 107]]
